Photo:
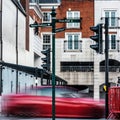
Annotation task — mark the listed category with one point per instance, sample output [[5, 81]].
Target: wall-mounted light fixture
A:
[[69, 9]]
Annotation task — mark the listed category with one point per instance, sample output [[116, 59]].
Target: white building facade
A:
[[76, 62], [110, 9], [13, 47], [73, 56], [82, 65]]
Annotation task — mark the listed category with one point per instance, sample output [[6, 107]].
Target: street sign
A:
[[67, 20], [40, 25], [59, 30]]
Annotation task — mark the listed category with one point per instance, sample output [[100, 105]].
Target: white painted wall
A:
[[9, 31], [9, 48], [80, 78], [95, 78], [99, 77]]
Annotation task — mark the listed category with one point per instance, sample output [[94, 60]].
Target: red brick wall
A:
[[35, 17], [25, 4], [86, 8]]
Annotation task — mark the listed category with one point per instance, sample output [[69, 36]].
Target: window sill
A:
[[114, 50], [73, 50], [72, 28]]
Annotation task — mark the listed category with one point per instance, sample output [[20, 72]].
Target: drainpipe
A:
[[16, 49], [1, 46]]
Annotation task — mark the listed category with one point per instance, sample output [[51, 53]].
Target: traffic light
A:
[[98, 47], [46, 59]]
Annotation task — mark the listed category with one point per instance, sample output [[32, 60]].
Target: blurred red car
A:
[[37, 102]]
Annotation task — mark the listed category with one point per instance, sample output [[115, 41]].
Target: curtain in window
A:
[[46, 41], [113, 42], [75, 41], [112, 18], [76, 16], [69, 17], [69, 41]]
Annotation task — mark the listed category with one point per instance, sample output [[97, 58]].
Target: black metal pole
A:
[[106, 67], [17, 50], [53, 62], [1, 46]]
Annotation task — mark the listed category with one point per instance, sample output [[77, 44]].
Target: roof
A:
[[49, 1], [19, 6]]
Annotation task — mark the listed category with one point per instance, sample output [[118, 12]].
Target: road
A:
[[16, 118]]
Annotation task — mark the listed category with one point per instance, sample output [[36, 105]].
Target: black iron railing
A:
[[113, 22], [73, 46], [111, 68], [34, 1], [77, 68]]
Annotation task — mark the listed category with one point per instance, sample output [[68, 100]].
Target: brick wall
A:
[[86, 8], [25, 4]]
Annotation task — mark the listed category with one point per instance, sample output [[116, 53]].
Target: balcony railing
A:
[[88, 68], [73, 46], [113, 47], [34, 1], [111, 68], [113, 22], [77, 68]]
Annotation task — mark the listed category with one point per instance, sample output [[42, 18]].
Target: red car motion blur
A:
[[37, 102]]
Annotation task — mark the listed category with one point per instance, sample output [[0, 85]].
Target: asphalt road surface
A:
[[16, 118]]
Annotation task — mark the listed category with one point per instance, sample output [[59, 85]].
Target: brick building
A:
[[76, 62], [74, 58]]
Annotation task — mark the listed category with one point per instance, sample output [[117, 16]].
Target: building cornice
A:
[[19, 6], [49, 6], [36, 8]]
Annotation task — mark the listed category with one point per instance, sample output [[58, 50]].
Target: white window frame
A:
[[47, 21], [73, 41], [47, 44], [111, 18], [110, 42], [73, 25]]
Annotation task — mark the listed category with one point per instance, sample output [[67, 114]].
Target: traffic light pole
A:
[[53, 14], [106, 67]]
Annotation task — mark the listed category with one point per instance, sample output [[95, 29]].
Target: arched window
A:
[[114, 66]]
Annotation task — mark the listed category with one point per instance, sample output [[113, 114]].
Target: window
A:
[[73, 41], [65, 91], [112, 43], [77, 66], [112, 18], [34, 1], [73, 15], [46, 41], [114, 66], [46, 17]]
